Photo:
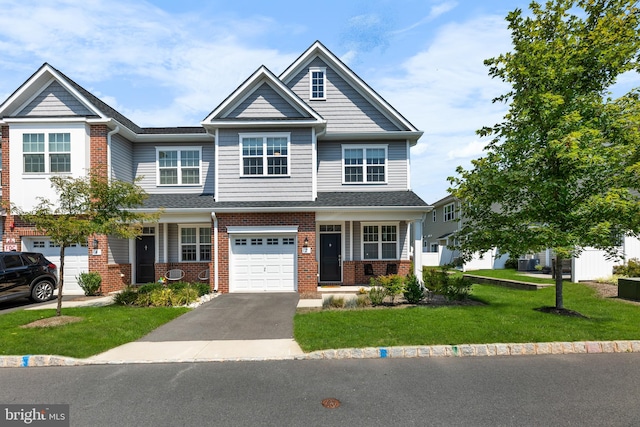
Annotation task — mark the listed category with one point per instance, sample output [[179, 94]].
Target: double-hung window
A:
[[449, 212], [264, 155], [57, 150], [364, 165], [195, 243], [380, 241], [317, 83], [179, 166]]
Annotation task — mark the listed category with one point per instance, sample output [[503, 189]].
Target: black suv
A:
[[26, 274]]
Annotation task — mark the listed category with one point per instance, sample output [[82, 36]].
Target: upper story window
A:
[[435, 216], [179, 166], [449, 212], [264, 155], [57, 150], [317, 83], [364, 164], [380, 241]]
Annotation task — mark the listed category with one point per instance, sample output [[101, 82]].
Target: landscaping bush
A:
[[630, 269], [363, 301], [377, 295], [333, 302], [413, 291], [201, 288], [452, 288], [350, 303], [393, 284], [126, 297], [90, 283], [150, 287], [459, 289]]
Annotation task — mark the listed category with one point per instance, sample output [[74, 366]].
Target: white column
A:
[[417, 249]]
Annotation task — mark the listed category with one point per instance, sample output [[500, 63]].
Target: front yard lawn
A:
[[101, 329], [511, 274], [509, 316]]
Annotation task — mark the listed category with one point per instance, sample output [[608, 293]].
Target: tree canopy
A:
[[86, 206], [562, 169]]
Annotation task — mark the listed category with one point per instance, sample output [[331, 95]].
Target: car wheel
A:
[[42, 291]]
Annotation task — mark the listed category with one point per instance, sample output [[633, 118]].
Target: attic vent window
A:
[[317, 83]]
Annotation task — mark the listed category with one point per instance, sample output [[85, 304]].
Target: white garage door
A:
[[76, 260], [263, 263]]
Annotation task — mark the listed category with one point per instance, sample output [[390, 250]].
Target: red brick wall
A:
[[353, 271], [307, 265], [191, 270]]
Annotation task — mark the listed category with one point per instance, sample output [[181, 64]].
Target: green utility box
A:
[[629, 288]]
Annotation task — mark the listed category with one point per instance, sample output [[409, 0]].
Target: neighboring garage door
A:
[[263, 263], [76, 260]]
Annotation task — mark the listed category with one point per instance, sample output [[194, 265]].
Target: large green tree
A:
[[87, 206], [560, 170]]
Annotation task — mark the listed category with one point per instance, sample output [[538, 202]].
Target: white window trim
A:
[[380, 225], [179, 150], [365, 147], [198, 243], [265, 166], [452, 212], [323, 70], [47, 153]]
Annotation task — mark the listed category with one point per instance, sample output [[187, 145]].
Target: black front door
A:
[[145, 256], [330, 258]]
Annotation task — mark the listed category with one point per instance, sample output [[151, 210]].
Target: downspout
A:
[[113, 132], [215, 251]]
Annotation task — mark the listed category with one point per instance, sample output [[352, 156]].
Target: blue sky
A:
[[169, 62]]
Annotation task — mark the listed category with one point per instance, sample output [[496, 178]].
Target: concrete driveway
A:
[[233, 317]]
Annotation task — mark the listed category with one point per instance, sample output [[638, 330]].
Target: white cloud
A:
[[470, 151]]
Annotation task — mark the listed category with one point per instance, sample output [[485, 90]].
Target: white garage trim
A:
[[263, 261]]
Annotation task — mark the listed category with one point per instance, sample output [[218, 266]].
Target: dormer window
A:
[[317, 86]]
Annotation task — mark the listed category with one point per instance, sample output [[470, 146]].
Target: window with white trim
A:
[[364, 165], [380, 241], [179, 166], [57, 151], [435, 216], [317, 83], [195, 243], [264, 154], [449, 212]]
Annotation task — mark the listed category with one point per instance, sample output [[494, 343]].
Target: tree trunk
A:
[[558, 271], [60, 281]]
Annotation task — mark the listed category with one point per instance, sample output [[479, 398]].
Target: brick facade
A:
[[353, 272], [191, 270], [307, 264]]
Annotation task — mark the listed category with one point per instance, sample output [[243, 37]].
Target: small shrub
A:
[[363, 291], [612, 280], [183, 296], [511, 263], [178, 286], [452, 288], [143, 299], [459, 289], [413, 291], [150, 287], [350, 303], [161, 297], [363, 301], [90, 283], [630, 269], [333, 302], [393, 285], [377, 295], [126, 297], [201, 288]]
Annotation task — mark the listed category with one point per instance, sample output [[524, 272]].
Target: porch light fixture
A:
[[95, 243], [306, 242]]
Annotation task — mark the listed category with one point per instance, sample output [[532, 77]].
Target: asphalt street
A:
[[558, 390]]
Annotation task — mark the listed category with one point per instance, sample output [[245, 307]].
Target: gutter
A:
[[215, 251]]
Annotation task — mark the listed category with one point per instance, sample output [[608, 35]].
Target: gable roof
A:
[[318, 50], [220, 116]]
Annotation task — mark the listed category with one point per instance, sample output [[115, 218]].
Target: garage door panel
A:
[[262, 267], [76, 261]]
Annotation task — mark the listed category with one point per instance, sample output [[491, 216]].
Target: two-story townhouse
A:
[[292, 181]]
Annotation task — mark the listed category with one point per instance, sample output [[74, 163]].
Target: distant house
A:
[[439, 234], [441, 225], [291, 181]]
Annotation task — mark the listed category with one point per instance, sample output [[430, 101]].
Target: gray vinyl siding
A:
[[144, 164], [344, 108], [55, 100], [121, 158], [173, 244], [233, 187], [357, 239], [433, 230], [118, 250], [330, 167], [264, 103]]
